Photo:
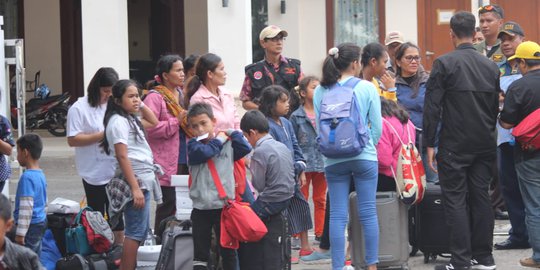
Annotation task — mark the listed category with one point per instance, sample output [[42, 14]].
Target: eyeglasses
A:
[[410, 58], [276, 39]]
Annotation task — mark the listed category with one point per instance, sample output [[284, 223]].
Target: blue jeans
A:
[[364, 174], [137, 220], [248, 194], [528, 173], [34, 236], [512, 195], [431, 176]]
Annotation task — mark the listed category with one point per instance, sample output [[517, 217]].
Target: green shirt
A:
[[496, 56]]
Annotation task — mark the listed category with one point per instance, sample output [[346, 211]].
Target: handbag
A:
[[238, 221], [76, 238]]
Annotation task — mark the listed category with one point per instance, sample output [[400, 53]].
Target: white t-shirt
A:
[[92, 163], [119, 130]]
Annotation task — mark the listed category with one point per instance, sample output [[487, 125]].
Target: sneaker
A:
[[304, 252], [486, 264], [317, 240], [529, 262], [317, 257], [451, 267], [295, 260], [295, 243]]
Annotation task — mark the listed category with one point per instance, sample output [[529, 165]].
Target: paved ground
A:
[[59, 167]]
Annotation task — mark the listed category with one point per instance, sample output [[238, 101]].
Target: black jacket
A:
[[463, 95]]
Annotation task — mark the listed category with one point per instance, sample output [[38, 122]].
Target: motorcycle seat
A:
[[39, 102]]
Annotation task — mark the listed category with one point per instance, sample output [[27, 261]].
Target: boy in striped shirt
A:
[[31, 197]]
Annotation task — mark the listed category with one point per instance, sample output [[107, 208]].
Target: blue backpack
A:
[[342, 131]]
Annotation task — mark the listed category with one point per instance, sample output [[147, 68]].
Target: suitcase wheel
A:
[[429, 256]]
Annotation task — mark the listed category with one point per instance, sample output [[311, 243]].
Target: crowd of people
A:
[[128, 145]]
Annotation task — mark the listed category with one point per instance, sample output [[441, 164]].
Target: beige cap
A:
[[271, 31], [394, 36]]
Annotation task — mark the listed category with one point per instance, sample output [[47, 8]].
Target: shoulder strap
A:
[[217, 180], [394, 130]]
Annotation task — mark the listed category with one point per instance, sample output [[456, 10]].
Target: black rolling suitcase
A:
[[273, 251], [430, 234]]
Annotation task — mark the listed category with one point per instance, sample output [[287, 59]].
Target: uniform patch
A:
[[257, 75], [497, 57], [290, 70]]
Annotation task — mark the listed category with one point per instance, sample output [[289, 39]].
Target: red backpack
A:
[[527, 133]]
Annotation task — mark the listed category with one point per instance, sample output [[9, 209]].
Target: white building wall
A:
[[196, 26], [305, 22], [229, 36], [397, 21], [42, 42], [104, 37]]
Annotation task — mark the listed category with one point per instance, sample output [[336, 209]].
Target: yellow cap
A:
[[271, 31], [527, 50]]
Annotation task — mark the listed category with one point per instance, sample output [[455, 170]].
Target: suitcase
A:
[[176, 247], [58, 223], [430, 229], [273, 251], [393, 232]]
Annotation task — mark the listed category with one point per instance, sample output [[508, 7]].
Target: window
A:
[[356, 21], [259, 19]]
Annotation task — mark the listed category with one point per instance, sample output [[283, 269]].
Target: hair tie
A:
[[334, 52], [157, 78]]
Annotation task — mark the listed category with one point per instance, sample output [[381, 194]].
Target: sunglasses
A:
[[276, 38], [490, 8]]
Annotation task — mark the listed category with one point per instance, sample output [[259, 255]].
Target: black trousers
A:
[[464, 180], [203, 222], [96, 197], [168, 207]]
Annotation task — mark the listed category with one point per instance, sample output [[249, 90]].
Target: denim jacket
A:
[[307, 139]]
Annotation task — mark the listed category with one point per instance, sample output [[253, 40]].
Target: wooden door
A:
[[525, 13], [434, 27]]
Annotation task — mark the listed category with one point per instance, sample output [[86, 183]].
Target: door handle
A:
[[429, 53]]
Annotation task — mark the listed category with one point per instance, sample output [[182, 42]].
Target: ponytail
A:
[[338, 60]]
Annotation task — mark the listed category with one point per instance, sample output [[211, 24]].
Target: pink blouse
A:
[[223, 106]]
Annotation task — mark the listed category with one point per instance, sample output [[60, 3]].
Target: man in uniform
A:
[[462, 97], [392, 42], [491, 20], [523, 98], [511, 35], [273, 69]]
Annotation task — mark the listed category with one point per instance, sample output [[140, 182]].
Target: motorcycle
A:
[[44, 111]]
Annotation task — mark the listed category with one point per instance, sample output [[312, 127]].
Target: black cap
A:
[[512, 29]]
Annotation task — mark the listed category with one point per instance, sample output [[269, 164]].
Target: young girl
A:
[[303, 121], [275, 105], [341, 65], [125, 138], [396, 129]]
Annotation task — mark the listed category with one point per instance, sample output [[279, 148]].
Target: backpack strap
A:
[[395, 132], [391, 167]]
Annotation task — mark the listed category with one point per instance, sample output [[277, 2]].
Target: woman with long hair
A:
[[165, 138], [84, 132], [207, 85], [340, 66]]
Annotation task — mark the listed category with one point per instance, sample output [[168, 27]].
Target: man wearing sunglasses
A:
[[523, 98], [273, 69], [462, 98], [491, 19]]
